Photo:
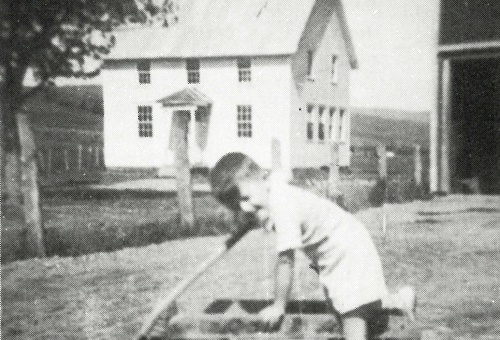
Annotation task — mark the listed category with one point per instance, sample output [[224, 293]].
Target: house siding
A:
[[268, 93], [324, 36]]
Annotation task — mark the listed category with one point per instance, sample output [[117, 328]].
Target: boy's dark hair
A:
[[227, 172]]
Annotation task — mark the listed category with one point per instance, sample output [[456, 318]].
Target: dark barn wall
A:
[[469, 21], [475, 140]]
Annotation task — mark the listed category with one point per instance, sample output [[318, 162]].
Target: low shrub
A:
[[103, 237], [75, 241]]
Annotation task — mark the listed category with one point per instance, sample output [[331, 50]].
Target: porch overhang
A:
[[186, 97]]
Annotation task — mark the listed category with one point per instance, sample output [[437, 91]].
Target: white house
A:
[[248, 71]]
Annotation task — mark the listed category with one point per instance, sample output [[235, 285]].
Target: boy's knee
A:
[[375, 318]]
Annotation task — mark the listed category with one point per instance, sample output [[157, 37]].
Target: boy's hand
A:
[[273, 316]]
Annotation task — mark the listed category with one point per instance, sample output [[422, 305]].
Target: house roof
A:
[[187, 96], [219, 28], [470, 23]]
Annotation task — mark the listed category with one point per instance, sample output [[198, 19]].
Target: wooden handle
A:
[[169, 299]]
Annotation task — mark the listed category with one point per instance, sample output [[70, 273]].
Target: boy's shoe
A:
[[408, 300]]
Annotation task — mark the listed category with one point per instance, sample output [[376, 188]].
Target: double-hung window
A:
[[310, 123], [193, 71], [321, 123], [244, 70], [331, 124], [144, 70], [145, 119], [244, 121], [342, 126]]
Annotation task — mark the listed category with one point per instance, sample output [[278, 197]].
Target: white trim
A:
[[469, 46]]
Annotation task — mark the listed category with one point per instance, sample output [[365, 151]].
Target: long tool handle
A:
[[168, 300]]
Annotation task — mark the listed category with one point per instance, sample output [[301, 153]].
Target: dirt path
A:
[[449, 248]]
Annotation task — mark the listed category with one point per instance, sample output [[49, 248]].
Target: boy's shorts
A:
[[350, 268]]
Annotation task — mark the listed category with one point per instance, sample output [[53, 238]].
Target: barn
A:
[[465, 132]]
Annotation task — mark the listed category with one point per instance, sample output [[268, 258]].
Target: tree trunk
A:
[[180, 121], [31, 196], [10, 98], [11, 178]]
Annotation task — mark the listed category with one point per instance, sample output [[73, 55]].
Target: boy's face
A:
[[255, 197]]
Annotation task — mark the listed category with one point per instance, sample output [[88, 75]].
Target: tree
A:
[[51, 38]]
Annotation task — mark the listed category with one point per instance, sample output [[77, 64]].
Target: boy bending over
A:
[[338, 245]]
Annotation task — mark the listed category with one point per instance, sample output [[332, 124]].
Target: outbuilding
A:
[[465, 132]]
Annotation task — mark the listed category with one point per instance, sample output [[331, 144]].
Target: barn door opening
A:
[[475, 140]]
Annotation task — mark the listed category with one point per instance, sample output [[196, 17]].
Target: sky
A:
[[395, 43]]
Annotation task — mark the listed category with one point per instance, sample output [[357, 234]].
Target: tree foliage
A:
[[66, 38], [52, 38]]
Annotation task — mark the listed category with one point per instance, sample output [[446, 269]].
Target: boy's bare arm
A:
[[284, 276], [273, 315]]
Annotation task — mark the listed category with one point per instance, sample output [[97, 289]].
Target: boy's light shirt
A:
[[300, 218], [332, 238]]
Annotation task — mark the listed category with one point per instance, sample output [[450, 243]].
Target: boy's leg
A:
[[353, 327], [366, 321]]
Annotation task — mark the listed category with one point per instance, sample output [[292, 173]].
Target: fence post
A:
[[180, 122], [79, 160], [417, 157], [97, 160], [333, 173], [89, 158], [382, 161], [66, 160], [382, 172], [49, 161]]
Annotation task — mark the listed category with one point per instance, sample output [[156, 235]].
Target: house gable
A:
[[315, 92]]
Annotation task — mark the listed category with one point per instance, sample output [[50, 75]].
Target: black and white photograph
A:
[[250, 169]]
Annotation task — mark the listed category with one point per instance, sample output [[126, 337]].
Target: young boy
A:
[[337, 244]]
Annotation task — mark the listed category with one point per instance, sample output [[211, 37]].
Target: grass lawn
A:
[[82, 221], [448, 248]]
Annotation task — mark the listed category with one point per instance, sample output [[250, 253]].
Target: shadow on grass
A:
[[463, 211], [477, 318]]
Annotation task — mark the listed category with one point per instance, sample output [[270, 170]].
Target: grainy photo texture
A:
[[250, 169]]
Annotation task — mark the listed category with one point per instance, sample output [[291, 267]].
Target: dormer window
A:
[[144, 70], [244, 70], [193, 71]]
